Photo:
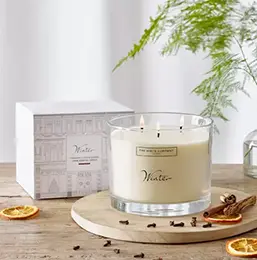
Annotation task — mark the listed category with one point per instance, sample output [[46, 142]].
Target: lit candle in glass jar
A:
[[161, 168]]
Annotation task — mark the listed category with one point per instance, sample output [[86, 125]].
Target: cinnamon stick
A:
[[239, 206], [214, 210]]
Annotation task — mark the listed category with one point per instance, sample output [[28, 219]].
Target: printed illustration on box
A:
[[68, 162]]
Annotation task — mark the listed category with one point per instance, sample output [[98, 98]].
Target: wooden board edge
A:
[[163, 237]]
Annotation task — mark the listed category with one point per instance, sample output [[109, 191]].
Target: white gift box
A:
[[62, 148]]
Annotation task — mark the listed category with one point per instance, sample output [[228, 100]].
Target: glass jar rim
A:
[[209, 122]]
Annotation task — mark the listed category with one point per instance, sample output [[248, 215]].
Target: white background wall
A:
[[65, 49], [53, 49], [2, 34]]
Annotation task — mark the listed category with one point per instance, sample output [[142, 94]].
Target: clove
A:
[[207, 225], [116, 250], [108, 243], [124, 222], [151, 225], [193, 222], [76, 248], [228, 198], [142, 255], [181, 224]]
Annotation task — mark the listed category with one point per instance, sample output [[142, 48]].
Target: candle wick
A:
[[181, 123], [158, 129], [142, 123]]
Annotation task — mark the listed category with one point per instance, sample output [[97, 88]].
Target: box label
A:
[[84, 153]]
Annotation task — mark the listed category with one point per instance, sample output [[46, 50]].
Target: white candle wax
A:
[[173, 168]]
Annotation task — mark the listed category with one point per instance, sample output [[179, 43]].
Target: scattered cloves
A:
[[207, 225], [181, 224], [124, 222], [142, 255], [108, 243], [76, 248], [116, 250], [172, 223], [151, 225]]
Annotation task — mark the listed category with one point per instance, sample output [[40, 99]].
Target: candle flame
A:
[[142, 122], [182, 121], [158, 126]]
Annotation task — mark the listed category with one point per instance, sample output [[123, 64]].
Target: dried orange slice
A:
[[223, 219], [19, 212], [242, 247]]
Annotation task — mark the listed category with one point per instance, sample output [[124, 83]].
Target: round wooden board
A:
[[94, 214]]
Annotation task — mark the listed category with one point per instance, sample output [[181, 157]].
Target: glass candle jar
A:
[[250, 154], [161, 163]]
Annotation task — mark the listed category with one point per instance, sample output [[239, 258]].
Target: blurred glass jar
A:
[[250, 154]]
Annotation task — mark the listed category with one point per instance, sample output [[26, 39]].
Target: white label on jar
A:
[[83, 153], [156, 151], [150, 163], [169, 174]]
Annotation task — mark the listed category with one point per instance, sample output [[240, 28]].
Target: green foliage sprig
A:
[[222, 29]]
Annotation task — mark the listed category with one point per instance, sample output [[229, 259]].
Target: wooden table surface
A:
[[53, 234]]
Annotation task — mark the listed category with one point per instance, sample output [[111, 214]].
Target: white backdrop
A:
[[66, 49], [53, 49]]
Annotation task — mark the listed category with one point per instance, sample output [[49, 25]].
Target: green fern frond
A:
[[213, 27], [146, 37], [151, 34]]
